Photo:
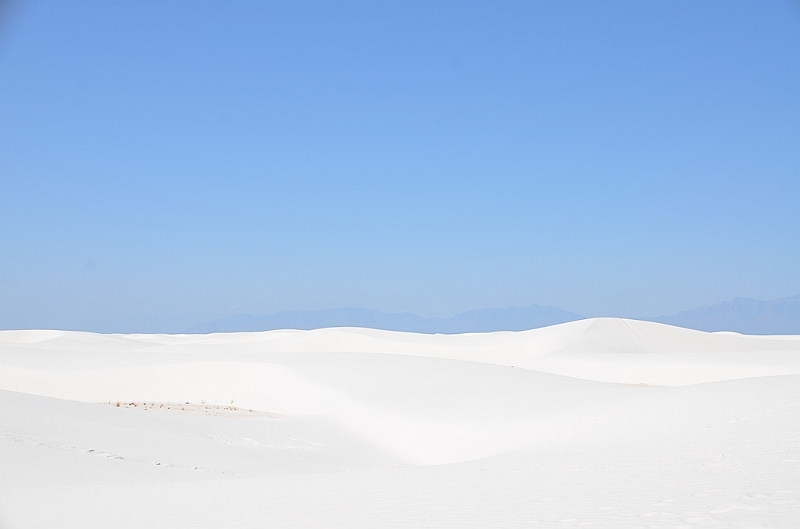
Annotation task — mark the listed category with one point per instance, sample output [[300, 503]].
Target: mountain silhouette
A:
[[481, 320], [743, 315]]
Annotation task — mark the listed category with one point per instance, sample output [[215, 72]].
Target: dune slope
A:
[[606, 423]]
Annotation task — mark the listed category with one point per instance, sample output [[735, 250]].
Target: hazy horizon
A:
[[741, 315]]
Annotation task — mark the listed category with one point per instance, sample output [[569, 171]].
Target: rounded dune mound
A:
[[28, 336]]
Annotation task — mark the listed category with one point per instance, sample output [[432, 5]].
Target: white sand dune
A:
[[603, 423]]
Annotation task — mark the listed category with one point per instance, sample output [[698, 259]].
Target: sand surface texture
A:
[[596, 423]]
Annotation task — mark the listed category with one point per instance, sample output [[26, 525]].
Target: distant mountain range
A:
[[747, 316], [482, 320]]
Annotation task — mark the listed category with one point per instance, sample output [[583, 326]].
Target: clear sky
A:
[[164, 163]]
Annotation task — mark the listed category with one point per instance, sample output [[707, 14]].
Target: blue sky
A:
[[164, 163]]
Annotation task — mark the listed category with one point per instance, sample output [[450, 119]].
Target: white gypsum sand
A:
[[599, 423]]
